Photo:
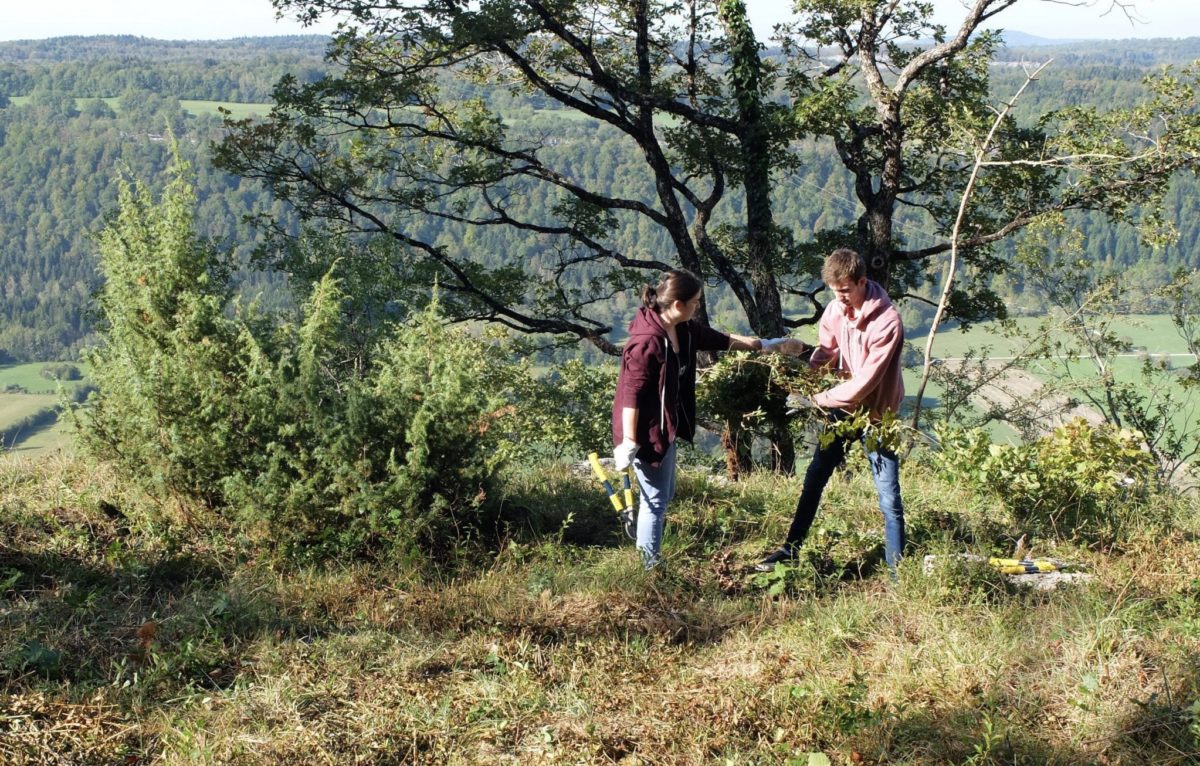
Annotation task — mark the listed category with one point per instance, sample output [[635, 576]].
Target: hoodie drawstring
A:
[[662, 398]]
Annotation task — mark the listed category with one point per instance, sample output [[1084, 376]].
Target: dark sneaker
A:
[[649, 560], [784, 555], [629, 524]]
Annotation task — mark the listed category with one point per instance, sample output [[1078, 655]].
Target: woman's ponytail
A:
[[650, 297], [675, 285]]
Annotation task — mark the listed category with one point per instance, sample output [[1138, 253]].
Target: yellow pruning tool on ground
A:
[[1027, 566]]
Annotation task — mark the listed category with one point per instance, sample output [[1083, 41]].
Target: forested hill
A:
[[78, 111], [240, 70], [1148, 53], [75, 112], [101, 47]]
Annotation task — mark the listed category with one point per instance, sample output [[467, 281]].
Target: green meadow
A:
[[191, 106], [1150, 333], [14, 407], [42, 393], [29, 377], [237, 111], [161, 645], [59, 437]]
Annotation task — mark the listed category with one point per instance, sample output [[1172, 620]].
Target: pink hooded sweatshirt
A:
[[865, 350]]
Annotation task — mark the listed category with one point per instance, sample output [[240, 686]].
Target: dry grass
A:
[[141, 641]]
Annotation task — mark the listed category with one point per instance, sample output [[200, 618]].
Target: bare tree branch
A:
[[952, 266]]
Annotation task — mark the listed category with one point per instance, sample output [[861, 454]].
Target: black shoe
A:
[[649, 560], [785, 555]]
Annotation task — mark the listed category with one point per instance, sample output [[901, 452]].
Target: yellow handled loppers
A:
[[613, 496]]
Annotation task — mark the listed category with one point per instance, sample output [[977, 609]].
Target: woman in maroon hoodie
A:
[[656, 394]]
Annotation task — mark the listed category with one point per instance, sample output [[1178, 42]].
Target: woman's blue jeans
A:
[[885, 467], [657, 487]]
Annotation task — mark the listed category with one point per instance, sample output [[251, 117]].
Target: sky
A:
[[222, 19], [162, 19]]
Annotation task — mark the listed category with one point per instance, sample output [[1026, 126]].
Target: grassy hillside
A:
[[58, 437], [41, 437], [26, 417], [15, 407], [133, 637]]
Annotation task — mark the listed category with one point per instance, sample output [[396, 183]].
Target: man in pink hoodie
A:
[[861, 337]]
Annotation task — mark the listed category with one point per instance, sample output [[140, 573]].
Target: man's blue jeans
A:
[[885, 467], [657, 487]]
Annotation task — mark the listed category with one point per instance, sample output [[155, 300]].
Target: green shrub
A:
[[397, 459], [564, 412], [171, 364], [1079, 481], [61, 371], [296, 432]]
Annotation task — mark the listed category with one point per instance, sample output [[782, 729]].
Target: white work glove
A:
[[772, 344], [623, 454], [789, 346], [797, 402]]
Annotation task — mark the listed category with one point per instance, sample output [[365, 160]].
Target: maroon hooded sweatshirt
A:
[[661, 383]]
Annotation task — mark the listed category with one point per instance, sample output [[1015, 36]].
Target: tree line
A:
[[90, 108]]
